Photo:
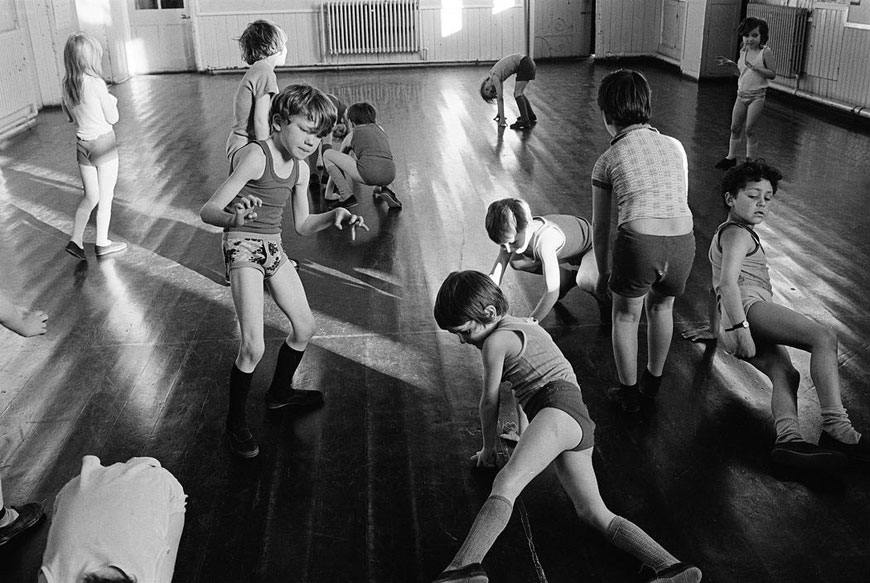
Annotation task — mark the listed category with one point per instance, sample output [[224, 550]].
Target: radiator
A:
[[788, 33], [358, 27]]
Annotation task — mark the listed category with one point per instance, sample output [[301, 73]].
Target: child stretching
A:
[[555, 246], [755, 66], [492, 89], [250, 205], [263, 46], [647, 173], [371, 163], [517, 350], [757, 330], [87, 103]]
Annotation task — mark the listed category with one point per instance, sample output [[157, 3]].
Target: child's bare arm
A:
[[499, 98], [109, 105], [494, 350], [768, 71], [251, 165], [261, 117], [736, 243], [552, 279], [20, 321], [601, 224], [496, 274]]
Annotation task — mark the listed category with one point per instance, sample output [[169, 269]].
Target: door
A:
[[563, 28], [161, 36]]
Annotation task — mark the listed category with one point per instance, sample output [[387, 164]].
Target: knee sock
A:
[[649, 384], [629, 537], [836, 423], [787, 429], [491, 520], [532, 115], [524, 110], [733, 147], [285, 368], [240, 386]]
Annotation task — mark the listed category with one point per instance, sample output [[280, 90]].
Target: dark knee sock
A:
[[285, 368], [491, 520], [240, 386], [629, 537], [649, 384], [524, 110], [531, 111]]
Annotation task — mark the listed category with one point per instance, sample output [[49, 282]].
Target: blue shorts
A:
[[564, 396], [641, 262], [259, 251], [98, 151]]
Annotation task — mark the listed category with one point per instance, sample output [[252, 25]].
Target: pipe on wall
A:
[[855, 109]]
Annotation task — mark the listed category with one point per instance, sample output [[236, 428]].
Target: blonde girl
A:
[[755, 68], [88, 103]]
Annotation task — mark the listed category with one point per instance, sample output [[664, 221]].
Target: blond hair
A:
[[82, 55]]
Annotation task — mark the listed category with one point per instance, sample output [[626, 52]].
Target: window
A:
[[158, 4]]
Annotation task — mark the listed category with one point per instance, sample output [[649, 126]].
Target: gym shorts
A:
[[747, 97], [564, 396], [260, 251], [98, 151], [641, 262], [527, 69]]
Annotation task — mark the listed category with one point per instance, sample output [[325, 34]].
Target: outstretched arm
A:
[[499, 98], [552, 277], [307, 223], [496, 274], [494, 351]]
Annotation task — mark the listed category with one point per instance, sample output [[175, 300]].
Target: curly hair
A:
[[739, 176]]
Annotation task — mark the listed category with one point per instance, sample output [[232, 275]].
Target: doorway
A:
[[161, 36]]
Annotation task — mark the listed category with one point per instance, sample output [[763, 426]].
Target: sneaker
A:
[[858, 452], [472, 573], [113, 247], [726, 163], [294, 398], [521, 124], [388, 196], [682, 572], [28, 516], [75, 251], [345, 204], [802, 455], [627, 399], [242, 443]]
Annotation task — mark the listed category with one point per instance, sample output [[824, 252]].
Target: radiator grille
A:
[[371, 26], [788, 30]]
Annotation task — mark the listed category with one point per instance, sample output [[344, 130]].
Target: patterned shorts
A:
[[259, 251]]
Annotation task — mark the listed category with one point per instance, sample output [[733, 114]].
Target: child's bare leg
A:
[[660, 330], [738, 119], [626, 316], [773, 360], [288, 293], [753, 113], [246, 284], [587, 273], [342, 167], [577, 475], [91, 183], [108, 177], [551, 432], [779, 325]]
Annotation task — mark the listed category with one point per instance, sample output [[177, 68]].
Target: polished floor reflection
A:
[[376, 487]]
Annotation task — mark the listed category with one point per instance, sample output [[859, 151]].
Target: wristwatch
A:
[[743, 324]]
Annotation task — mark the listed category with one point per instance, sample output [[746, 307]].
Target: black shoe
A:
[[75, 250], [294, 398], [677, 572], [28, 516], [113, 247], [388, 196], [521, 124], [345, 204], [802, 455], [242, 443], [858, 452], [472, 573], [726, 163], [628, 398]]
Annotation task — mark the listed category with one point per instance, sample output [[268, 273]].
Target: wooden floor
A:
[[376, 487]]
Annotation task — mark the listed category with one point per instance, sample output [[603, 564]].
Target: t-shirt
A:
[[259, 80], [97, 111], [118, 515], [647, 172]]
